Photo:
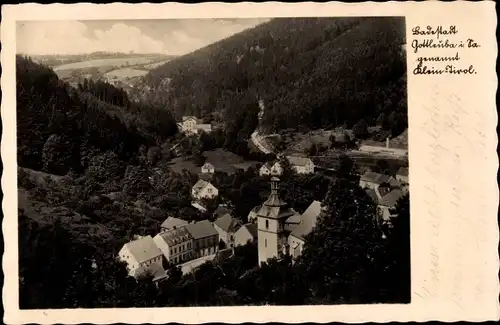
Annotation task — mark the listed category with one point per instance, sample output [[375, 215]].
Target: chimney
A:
[[387, 142]]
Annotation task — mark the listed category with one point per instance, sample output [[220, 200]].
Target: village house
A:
[[172, 223], [192, 125], [245, 234], [276, 169], [207, 168], [374, 180], [176, 245], [308, 219], [273, 169], [205, 238], [386, 201], [143, 258], [226, 227], [204, 190], [265, 169], [402, 175], [301, 165]]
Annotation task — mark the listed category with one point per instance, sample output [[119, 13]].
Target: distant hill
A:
[[310, 73], [60, 128]]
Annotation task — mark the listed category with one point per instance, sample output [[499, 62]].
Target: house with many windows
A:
[[301, 165], [192, 125], [205, 238], [176, 245]]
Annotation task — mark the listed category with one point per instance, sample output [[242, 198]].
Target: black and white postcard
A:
[[257, 158]]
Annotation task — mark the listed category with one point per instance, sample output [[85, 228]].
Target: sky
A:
[[169, 36]]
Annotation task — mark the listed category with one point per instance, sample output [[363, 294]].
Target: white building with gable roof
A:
[[204, 190], [301, 165], [143, 257]]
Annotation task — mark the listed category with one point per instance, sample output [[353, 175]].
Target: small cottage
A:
[[226, 227], [204, 190]]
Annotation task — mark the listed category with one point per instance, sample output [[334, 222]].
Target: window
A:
[[265, 242], [267, 224], [171, 251]]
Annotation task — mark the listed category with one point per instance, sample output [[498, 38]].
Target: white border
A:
[[454, 235]]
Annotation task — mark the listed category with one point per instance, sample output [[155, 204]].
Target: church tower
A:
[[271, 217]]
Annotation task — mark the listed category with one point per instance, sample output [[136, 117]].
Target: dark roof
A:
[[383, 189], [245, 165], [403, 171], [201, 229], [175, 236], [275, 212], [221, 210], [172, 222], [227, 223]]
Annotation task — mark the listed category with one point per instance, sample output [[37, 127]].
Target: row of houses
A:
[[300, 165], [385, 190], [181, 242]]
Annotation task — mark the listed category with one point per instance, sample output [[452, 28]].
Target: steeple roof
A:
[[274, 207]]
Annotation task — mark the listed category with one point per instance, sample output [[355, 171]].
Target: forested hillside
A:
[[310, 72], [61, 128]]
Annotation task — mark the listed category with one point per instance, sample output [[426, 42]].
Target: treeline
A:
[[310, 72], [60, 128]]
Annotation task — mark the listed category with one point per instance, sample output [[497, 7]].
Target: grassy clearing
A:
[[222, 160], [106, 62]]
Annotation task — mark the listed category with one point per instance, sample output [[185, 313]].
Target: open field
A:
[[130, 60], [222, 160]]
